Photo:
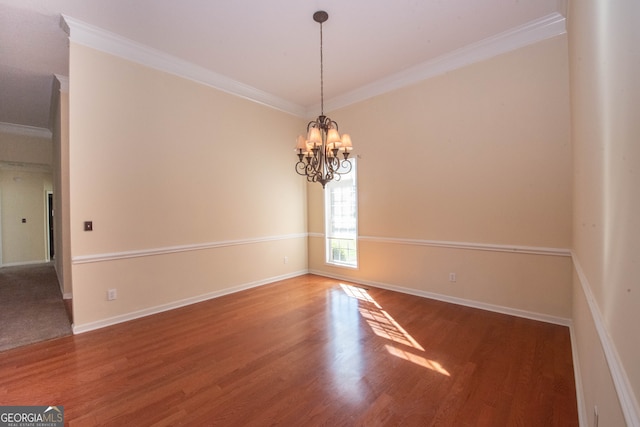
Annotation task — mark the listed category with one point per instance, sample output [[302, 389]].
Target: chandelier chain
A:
[[321, 75], [318, 151]]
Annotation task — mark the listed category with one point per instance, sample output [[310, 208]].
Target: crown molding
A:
[[23, 130], [24, 167], [532, 32], [88, 35], [64, 82]]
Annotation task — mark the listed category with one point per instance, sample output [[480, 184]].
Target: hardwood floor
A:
[[300, 352]]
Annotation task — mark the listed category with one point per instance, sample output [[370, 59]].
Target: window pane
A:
[[342, 251], [341, 215]]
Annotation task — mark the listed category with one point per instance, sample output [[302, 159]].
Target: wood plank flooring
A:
[[303, 352]]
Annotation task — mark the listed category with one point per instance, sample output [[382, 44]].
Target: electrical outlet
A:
[[286, 259], [452, 277], [112, 294]]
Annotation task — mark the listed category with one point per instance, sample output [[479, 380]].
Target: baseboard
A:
[[582, 416], [26, 263], [65, 295], [583, 420], [78, 329], [624, 390], [454, 300]]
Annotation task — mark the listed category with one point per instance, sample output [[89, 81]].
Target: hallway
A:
[[31, 306]]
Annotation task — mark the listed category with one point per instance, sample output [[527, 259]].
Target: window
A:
[[341, 220]]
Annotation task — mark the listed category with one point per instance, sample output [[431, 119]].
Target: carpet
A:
[[31, 306]]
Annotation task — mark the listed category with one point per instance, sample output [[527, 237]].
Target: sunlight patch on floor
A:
[[385, 326], [418, 360]]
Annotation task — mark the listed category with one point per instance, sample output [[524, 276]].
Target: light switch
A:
[[88, 226]]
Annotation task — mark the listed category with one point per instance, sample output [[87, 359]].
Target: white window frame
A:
[[347, 238]]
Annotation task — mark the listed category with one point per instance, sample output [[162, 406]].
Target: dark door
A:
[[50, 210]]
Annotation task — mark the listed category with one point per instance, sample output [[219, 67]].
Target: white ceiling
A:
[[272, 46]]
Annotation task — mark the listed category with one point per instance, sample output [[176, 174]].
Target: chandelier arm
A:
[[346, 163], [301, 168]]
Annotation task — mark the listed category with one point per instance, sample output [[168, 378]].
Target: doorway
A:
[[50, 240]]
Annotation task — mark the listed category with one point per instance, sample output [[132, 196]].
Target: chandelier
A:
[[319, 153]]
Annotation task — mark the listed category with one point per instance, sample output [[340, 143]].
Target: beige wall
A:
[[23, 192], [178, 177], [191, 191], [604, 40], [479, 155], [25, 176], [60, 139], [25, 149]]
